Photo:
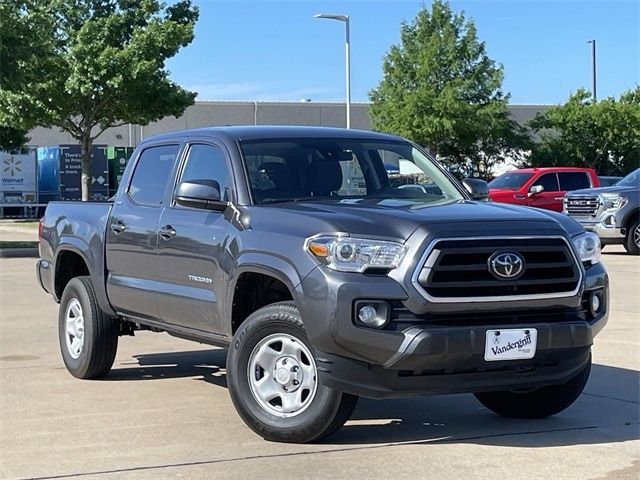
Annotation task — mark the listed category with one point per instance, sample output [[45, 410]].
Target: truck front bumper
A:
[[605, 226], [425, 356], [452, 361], [604, 231]]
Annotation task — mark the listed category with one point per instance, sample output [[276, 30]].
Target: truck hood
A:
[[399, 218], [596, 191]]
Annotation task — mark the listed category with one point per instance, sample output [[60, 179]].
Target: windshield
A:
[[510, 180], [631, 180], [283, 170]]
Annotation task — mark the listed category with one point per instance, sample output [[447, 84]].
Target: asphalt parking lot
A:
[[164, 412]]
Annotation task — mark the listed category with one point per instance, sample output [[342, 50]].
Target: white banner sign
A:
[[17, 172]]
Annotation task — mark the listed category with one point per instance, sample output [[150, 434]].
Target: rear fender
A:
[[93, 257]]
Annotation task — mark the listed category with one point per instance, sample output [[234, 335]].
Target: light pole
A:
[[593, 68], [345, 19]]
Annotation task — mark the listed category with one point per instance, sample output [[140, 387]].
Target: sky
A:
[[273, 50]]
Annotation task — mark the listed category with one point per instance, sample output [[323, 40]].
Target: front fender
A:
[[628, 216], [273, 265]]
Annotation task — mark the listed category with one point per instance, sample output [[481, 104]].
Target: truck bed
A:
[[79, 228]]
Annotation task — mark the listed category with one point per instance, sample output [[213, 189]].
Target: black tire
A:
[[327, 410], [100, 339], [629, 242], [539, 403]]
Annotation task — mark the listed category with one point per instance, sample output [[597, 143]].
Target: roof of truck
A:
[[552, 169], [259, 132]]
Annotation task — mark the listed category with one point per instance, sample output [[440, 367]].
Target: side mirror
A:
[[203, 194], [478, 189], [534, 190]]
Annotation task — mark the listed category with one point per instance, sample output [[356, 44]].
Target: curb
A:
[[28, 252]]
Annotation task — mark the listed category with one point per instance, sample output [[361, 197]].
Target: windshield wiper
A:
[[285, 200]]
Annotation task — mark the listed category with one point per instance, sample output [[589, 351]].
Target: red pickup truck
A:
[[541, 187]]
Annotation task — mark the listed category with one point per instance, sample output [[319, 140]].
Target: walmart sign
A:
[[17, 172]]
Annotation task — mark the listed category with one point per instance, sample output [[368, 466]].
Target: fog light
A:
[[372, 314], [596, 303], [367, 314]]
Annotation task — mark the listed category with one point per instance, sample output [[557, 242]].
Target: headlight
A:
[[613, 201], [347, 254], [588, 247]]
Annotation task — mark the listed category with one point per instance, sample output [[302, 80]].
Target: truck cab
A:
[[540, 187]]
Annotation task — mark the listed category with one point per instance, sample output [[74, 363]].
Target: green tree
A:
[[25, 44], [102, 64], [441, 90], [604, 135], [12, 139]]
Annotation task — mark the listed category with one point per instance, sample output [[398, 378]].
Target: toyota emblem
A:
[[506, 265]]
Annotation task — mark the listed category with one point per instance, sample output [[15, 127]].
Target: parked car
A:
[[611, 212], [607, 181], [325, 289], [540, 187]]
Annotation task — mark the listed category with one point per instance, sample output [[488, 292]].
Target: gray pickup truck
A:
[[325, 278], [611, 212]]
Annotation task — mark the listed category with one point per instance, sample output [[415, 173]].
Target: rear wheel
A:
[[273, 379], [632, 241], [539, 403], [88, 337]]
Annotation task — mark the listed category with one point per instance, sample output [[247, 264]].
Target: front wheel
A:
[[273, 379], [632, 241], [88, 336], [539, 403]]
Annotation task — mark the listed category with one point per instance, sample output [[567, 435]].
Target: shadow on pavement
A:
[[210, 365], [608, 411]]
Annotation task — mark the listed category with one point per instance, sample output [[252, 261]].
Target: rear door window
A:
[[151, 174], [549, 182], [573, 181]]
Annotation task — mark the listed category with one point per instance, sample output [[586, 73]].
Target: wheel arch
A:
[[258, 281], [630, 217], [81, 254], [70, 262]]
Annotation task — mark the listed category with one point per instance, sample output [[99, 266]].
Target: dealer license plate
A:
[[510, 344]]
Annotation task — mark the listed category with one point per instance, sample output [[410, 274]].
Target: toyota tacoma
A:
[[326, 278]]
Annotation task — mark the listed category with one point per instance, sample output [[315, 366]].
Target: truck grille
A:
[[582, 206], [457, 270]]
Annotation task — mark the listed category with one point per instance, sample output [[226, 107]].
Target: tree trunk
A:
[[85, 154]]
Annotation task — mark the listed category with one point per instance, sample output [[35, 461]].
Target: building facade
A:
[[208, 114]]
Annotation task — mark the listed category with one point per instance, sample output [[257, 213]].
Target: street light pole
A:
[[347, 56], [593, 68], [345, 19]]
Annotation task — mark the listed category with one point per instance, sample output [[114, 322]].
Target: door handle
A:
[[167, 232], [118, 227]]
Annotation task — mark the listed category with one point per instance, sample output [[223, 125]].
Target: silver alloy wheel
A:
[[636, 235], [74, 328], [282, 375]]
